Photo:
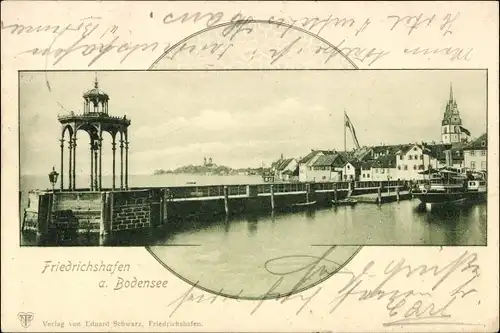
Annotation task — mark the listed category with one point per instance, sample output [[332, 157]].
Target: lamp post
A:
[[53, 178]]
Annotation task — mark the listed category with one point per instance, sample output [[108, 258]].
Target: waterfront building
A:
[[305, 164], [328, 168], [412, 159], [384, 168], [366, 170], [366, 159], [452, 130], [285, 169], [476, 153], [350, 170]]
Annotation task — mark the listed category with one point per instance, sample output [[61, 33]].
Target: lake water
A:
[[235, 250]]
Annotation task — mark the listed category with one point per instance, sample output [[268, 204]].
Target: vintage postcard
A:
[[280, 166]]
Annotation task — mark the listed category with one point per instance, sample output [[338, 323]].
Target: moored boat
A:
[[345, 202], [309, 204], [451, 186]]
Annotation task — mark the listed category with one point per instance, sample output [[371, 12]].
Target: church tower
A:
[[451, 131]]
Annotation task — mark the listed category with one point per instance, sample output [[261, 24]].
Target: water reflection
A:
[[252, 221], [403, 223]]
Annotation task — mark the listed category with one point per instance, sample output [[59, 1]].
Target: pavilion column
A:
[[114, 158], [96, 188], [74, 161], [70, 167], [91, 165], [121, 161], [100, 161], [62, 163], [126, 163]]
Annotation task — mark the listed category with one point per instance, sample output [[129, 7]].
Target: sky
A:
[[244, 118]]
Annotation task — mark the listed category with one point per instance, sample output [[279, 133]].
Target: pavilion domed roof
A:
[[96, 92]]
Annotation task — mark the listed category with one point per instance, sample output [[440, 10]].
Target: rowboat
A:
[[304, 204], [345, 202]]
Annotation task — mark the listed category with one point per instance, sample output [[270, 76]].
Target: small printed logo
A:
[[25, 318]]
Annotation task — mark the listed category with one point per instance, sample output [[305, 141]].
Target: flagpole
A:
[[345, 150]]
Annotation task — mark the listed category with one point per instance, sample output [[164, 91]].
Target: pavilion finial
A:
[[96, 82], [451, 92]]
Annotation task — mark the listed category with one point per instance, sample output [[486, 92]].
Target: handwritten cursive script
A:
[[416, 304], [89, 37]]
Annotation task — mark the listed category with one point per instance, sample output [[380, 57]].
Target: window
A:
[[472, 153], [376, 170], [421, 167], [382, 171], [368, 175], [416, 157], [401, 157], [445, 130], [414, 167], [472, 165], [406, 167], [348, 166], [421, 157], [399, 167], [409, 157], [483, 152], [483, 165], [483, 143], [414, 148]]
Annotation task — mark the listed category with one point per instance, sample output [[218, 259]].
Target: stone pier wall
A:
[[114, 211], [78, 211], [130, 210], [87, 212]]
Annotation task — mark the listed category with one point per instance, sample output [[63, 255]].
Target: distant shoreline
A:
[[209, 171]]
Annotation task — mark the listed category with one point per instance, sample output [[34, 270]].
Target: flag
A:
[[349, 125], [465, 130]]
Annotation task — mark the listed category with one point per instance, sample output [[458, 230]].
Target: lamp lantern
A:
[[53, 175]]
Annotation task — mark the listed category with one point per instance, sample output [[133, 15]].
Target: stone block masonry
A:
[[130, 210], [87, 212], [77, 211]]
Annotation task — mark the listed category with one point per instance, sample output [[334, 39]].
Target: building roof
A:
[[403, 149], [335, 160], [282, 164], [386, 149], [313, 153], [366, 164], [480, 143], [438, 151], [385, 161]]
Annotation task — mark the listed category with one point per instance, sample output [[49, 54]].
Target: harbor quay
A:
[[107, 211]]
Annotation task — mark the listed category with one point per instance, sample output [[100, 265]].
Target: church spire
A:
[[451, 92]]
